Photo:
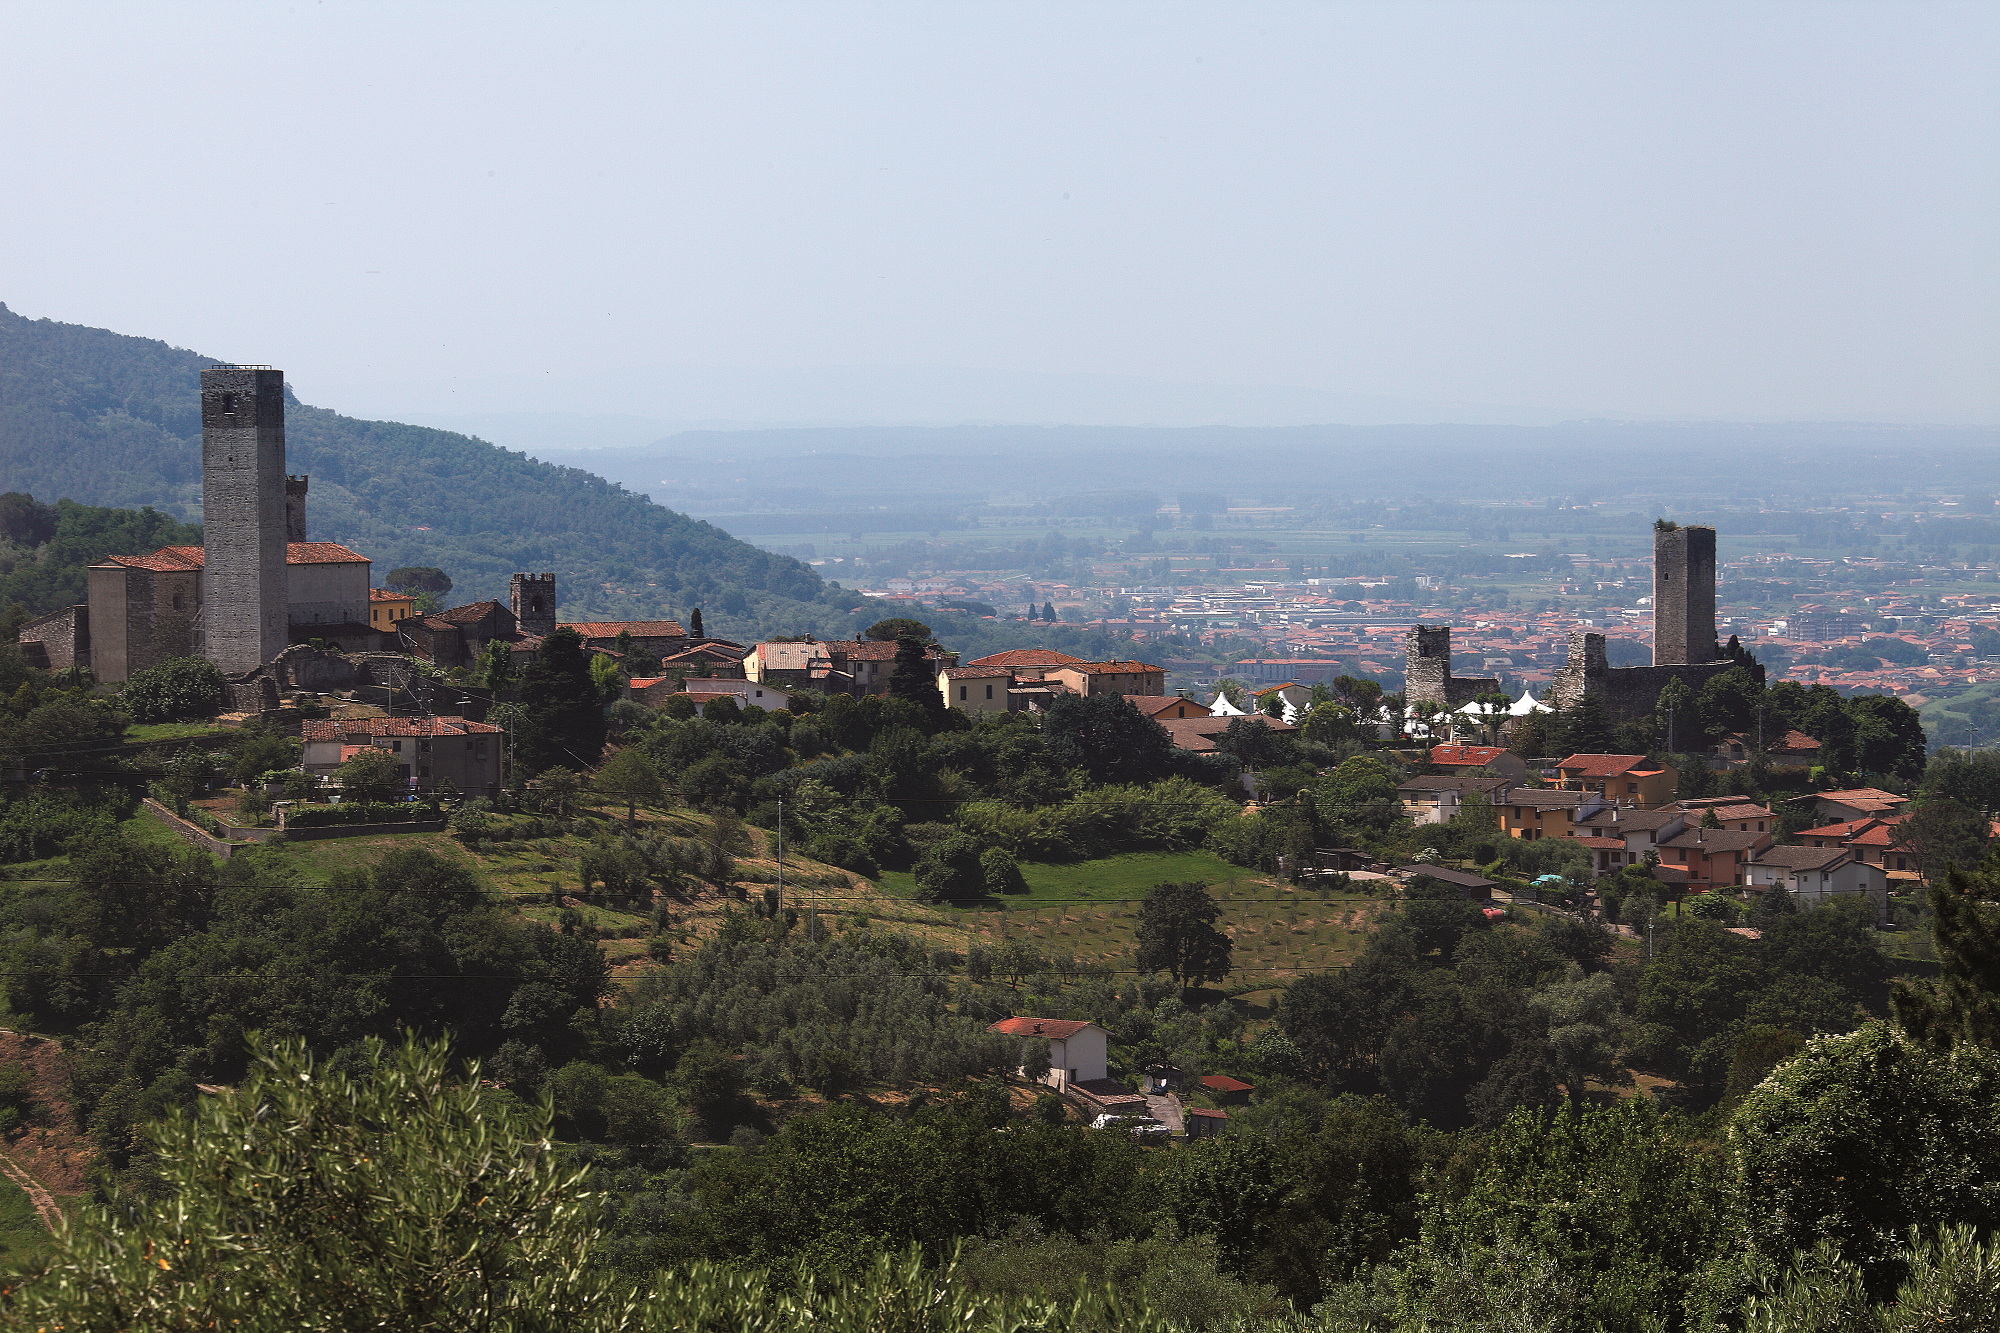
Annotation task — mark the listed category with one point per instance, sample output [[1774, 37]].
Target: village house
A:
[[656, 690], [1713, 858], [1110, 678], [1874, 840], [1028, 663], [1200, 734], [1079, 1052], [431, 750], [1619, 836], [1737, 812], [388, 608], [788, 664], [977, 689], [1625, 779], [1167, 707], [1532, 812], [1465, 758], [1814, 874], [1853, 803], [1436, 799]]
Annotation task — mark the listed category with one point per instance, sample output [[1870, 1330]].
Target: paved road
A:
[[1167, 1110]]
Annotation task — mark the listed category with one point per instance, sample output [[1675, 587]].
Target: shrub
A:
[[175, 690], [352, 812]]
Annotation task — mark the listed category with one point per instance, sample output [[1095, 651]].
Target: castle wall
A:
[[243, 515], [64, 637], [1626, 692], [327, 594]]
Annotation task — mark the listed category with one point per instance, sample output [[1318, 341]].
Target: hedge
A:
[[352, 812]]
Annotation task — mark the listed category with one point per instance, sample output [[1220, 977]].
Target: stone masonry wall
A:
[[1626, 692], [1427, 670], [243, 515], [1683, 595], [64, 636]]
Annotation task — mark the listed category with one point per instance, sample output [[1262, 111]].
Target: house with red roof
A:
[[1079, 1051], [432, 750], [1623, 779], [1465, 758]]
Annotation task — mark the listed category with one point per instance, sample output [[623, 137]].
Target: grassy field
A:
[[1109, 879], [22, 1234], [170, 731]]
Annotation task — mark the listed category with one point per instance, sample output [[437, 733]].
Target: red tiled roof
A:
[[322, 553], [1857, 795], [1054, 1028], [470, 612], [1845, 829], [1158, 705], [1111, 668], [1028, 657], [339, 728], [1224, 1083], [1205, 1113], [385, 595], [638, 629], [1474, 756], [1604, 844], [1602, 765]]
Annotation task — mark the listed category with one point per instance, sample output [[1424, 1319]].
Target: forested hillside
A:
[[104, 419]]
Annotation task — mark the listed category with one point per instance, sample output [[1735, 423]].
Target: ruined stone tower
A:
[[1683, 596], [533, 600], [243, 505], [295, 509], [1427, 670]]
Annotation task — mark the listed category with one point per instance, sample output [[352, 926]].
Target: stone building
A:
[[1684, 643], [252, 588], [1427, 674]]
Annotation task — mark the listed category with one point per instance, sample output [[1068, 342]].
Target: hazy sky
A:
[[1069, 212]]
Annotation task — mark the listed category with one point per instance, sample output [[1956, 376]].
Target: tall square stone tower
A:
[[243, 515], [1683, 596], [533, 601]]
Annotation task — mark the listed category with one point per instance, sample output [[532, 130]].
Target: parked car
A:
[[1131, 1124]]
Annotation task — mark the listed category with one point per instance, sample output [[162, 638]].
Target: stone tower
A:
[[533, 599], [1683, 596], [295, 509], [243, 515], [1427, 670]]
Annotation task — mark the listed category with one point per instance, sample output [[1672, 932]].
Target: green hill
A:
[[104, 419]]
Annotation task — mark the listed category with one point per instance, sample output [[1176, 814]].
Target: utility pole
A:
[[780, 914]]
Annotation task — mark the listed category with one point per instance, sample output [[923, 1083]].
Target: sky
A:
[[650, 215]]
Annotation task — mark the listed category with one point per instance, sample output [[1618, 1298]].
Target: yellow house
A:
[[976, 689], [385, 608], [1621, 779], [1540, 812]]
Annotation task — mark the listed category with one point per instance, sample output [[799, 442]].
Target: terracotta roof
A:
[[638, 629], [1600, 765], [385, 595], [642, 682], [1799, 858], [470, 612], [322, 553], [977, 673], [167, 559], [1111, 668], [1859, 796], [1472, 756], [1224, 1083], [1845, 829], [790, 656], [1714, 839], [1026, 657], [1054, 1028], [340, 728], [1604, 844], [1205, 1113]]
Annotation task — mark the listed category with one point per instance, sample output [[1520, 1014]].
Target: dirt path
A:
[[45, 1202]]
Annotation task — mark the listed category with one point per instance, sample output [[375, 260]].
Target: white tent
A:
[[1527, 704], [1223, 708]]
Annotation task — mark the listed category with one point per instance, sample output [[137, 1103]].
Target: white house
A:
[[1814, 874], [1078, 1051], [1436, 799]]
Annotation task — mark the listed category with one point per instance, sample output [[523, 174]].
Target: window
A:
[[397, 746], [989, 691], [961, 691]]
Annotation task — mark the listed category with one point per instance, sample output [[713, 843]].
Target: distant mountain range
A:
[[106, 419]]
